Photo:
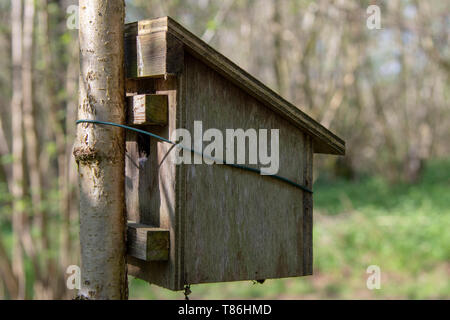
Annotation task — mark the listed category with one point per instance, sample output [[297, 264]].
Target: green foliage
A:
[[211, 25]]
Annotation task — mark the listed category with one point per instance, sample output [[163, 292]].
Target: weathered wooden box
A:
[[222, 223]]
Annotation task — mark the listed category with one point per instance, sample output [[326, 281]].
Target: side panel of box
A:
[[151, 183], [307, 235], [240, 225]]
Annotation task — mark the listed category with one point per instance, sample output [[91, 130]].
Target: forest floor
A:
[[403, 229]]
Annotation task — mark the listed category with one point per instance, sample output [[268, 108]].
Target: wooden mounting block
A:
[[147, 243], [147, 109]]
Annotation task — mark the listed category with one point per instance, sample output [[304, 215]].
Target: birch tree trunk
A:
[[99, 151], [279, 62], [17, 146], [51, 90], [71, 176], [28, 106]]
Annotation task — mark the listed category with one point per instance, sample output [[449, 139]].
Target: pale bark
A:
[[279, 60], [32, 153], [31, 138], [71, 199], [99, 150], [58, 133], [17, 146]]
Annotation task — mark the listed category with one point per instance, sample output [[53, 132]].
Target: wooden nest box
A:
[[199, 223]]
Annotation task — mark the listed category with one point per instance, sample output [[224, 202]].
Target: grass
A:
[[403, 229]]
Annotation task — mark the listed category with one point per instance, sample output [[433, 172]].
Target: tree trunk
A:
[[71, 200], [58, 133], [31, 138], [279, 63], [99, 151], [17, 145]]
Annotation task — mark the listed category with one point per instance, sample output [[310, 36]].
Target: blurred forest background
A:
[[385, 91]]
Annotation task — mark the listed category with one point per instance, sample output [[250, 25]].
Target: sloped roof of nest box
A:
[[324, 140]]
